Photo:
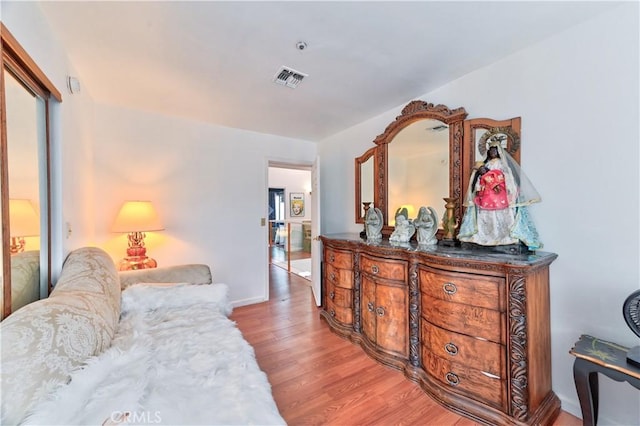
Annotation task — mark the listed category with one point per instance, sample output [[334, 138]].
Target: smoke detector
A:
[[289, 77]]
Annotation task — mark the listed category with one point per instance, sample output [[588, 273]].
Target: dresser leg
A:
[[586, 381]]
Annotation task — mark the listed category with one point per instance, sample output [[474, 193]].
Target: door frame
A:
[[284, 164]]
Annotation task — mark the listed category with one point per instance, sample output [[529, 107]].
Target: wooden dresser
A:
[[470, 327]]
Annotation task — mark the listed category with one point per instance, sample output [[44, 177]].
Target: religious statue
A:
[[373, 222], [403, 231], [497, 200], [426, 226]]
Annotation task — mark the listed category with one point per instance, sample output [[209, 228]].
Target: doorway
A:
[[290, 218]]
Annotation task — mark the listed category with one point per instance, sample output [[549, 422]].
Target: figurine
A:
[[403, 231], [401, 211], [426, 226], [373, 224], [496, 202]]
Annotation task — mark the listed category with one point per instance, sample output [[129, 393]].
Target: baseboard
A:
[[571, 407], [244, 302]]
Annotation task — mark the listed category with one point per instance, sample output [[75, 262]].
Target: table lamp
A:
[[136, 218], [23, 222]]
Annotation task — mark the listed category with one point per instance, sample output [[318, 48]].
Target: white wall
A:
[[577, 94], [208, 184]]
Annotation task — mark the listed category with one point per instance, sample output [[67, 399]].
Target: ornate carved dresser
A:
[[470, 327]]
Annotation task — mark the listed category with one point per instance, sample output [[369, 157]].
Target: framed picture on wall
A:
[[296, 204]]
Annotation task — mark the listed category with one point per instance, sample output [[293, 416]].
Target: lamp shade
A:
[[137, 216], [23, 218]]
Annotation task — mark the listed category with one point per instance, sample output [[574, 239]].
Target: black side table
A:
[[595, 356]]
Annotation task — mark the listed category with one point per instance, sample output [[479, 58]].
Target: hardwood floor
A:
[[318, 378], [279, 254]]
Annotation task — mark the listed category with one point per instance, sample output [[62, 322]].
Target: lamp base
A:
[[137, 262], [17, 245]]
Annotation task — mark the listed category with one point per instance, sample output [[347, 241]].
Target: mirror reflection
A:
[[366, 185], [365, 194], [25, 115], [418, 168]]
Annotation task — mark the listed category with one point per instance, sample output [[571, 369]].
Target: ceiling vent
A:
[[289, 77]]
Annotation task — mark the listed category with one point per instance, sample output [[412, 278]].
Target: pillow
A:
[[193, 273], [150, 296]]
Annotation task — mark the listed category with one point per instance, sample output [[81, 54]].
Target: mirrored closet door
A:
[[24, 177]]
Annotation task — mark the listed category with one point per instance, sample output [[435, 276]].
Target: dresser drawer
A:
[[477, 290], [466, 381], [479, 354], [338, 258], [473, 321], [339, 277], [340, 297], [340, 313], [384, 268]]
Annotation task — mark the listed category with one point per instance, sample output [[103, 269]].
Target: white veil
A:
[[526, 192]]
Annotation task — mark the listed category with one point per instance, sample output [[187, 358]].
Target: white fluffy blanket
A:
[[176, 360]]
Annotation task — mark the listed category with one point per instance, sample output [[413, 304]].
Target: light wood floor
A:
[[318, 378], [279, 254]]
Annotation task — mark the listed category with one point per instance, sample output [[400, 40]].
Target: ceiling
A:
[[215, 61]]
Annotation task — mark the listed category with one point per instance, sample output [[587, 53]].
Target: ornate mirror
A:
[[420, 159], [425, 155], [418, 168], [480, 131]]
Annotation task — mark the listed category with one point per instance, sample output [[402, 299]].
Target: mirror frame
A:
[[371, 153], [18, 61], [412, 112]]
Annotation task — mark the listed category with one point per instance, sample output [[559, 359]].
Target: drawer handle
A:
[[452, 379], [370, 306], [332, 295], [491, 376], [332, 258], [332, 313], [449, 288], [375, 269], [451, 349], [332, 276], [380, 311]]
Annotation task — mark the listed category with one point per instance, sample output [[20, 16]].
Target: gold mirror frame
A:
[[412, 112]]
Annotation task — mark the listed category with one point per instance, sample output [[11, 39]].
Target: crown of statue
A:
[[496, 140]]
